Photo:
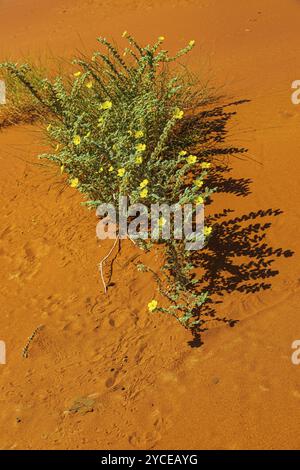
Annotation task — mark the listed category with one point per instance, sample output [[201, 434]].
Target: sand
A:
[[102, 372]]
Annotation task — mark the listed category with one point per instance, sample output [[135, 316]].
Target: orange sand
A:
[[143, 385]]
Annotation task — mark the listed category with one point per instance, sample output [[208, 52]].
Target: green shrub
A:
[[128, 124]]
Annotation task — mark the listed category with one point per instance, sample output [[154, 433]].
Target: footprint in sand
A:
[[110, 382], [253, 304], [149, 438]]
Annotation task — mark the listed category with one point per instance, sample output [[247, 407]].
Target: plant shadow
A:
[[237, 256]]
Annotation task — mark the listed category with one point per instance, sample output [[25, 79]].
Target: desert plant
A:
[[124, 124], [20, 107]]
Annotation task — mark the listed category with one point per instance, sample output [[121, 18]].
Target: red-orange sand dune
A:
[[130, 379]]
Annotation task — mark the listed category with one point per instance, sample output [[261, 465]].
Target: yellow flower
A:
[[62, 169], [161, 221], [111, 168], [207, 231], [89, 84], [140, 147], [74, 182], [144, 193], [77, 74], [138, 159], [192, 43], [191, 159], [144, 183], [138, 134], [101, 169], [199, 200], [152, 305], [161, 38], [182, 153], [198, 183], [178, 114], [48, 127], [205, 165], [121, 172], [124, 34], [106, 105], [76, 140]]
